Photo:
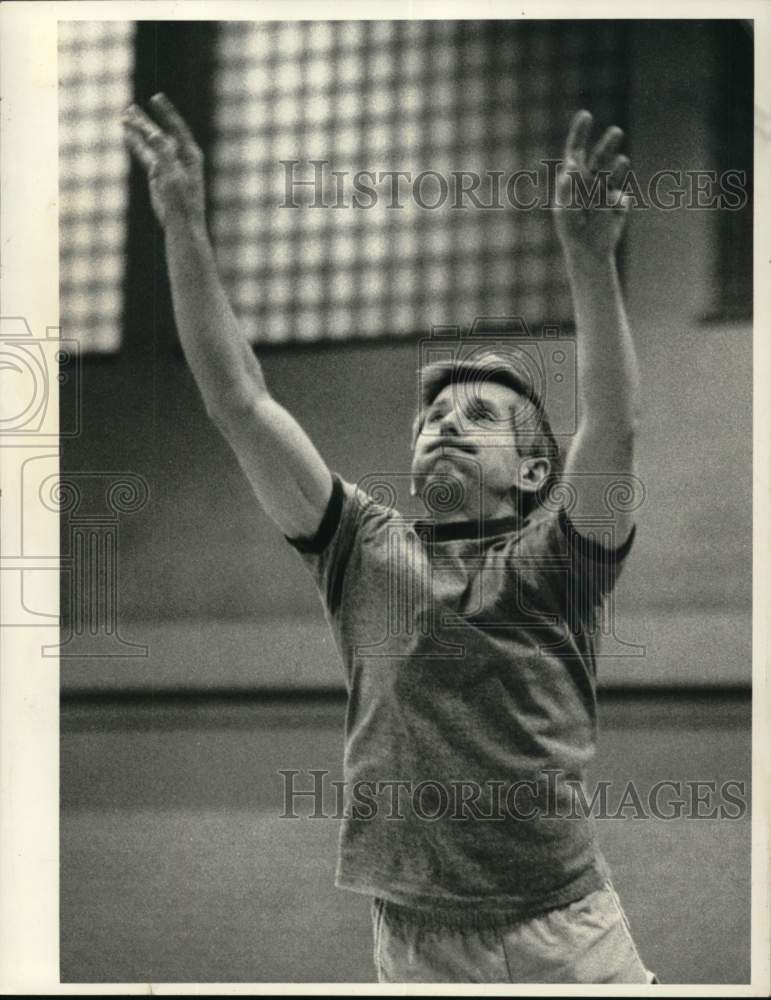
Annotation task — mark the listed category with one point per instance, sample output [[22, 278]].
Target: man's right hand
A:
[[172, 159]]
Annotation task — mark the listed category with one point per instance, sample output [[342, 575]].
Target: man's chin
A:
[[441, 476], [435, 469]]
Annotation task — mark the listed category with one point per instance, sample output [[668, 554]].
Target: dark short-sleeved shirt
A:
[[469, 658]]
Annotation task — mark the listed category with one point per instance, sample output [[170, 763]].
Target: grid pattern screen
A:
[[95, 83], [431, 98]]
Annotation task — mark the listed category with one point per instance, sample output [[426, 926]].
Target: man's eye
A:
[[479, 413]]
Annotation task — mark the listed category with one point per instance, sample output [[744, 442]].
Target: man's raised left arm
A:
[[602, 451]]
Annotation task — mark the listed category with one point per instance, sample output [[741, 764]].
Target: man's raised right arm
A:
[[288, 475]]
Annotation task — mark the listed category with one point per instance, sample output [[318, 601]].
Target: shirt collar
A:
[[444, 531]]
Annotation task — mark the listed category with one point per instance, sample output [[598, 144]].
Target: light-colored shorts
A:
[[588, 941]]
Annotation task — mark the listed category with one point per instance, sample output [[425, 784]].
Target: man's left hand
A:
[[591, 209]]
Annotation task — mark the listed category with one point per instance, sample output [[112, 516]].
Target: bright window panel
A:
[[96, 62], [369, 98]]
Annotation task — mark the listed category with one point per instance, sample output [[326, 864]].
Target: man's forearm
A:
[[607, 369], [223, 363]]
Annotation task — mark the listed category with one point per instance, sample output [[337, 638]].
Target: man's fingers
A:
[[175, 124], [138, 146], [606, 148], [619, 168], [578, 136], [161, 143], [136, 118]]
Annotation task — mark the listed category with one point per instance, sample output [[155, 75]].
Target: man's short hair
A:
[[533, 433]]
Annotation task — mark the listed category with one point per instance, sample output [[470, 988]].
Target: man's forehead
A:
[[478, 390]]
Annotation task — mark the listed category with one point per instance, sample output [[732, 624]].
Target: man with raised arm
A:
[[468, 638]]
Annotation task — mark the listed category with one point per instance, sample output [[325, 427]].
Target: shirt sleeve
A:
[[326, 554], [595, 563], [316, 544]]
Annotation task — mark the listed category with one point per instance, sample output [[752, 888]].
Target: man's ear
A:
[[532, 473]]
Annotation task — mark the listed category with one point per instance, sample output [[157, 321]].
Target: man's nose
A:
[[449, 424]]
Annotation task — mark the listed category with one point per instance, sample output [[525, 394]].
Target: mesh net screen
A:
[[95, 74], [382, 96]]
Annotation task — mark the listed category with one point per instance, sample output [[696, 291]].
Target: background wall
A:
[[209, 586]]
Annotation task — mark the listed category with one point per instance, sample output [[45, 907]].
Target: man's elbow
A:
[[621, 428], [627, 430], [621, 442], [606, 447], [232, 409]]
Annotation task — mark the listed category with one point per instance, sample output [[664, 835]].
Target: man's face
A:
[[468, 433]]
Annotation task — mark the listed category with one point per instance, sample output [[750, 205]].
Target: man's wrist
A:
[[186, 227], [583, 263]]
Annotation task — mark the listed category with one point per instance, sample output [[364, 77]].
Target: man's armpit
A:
[[329, 522]]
